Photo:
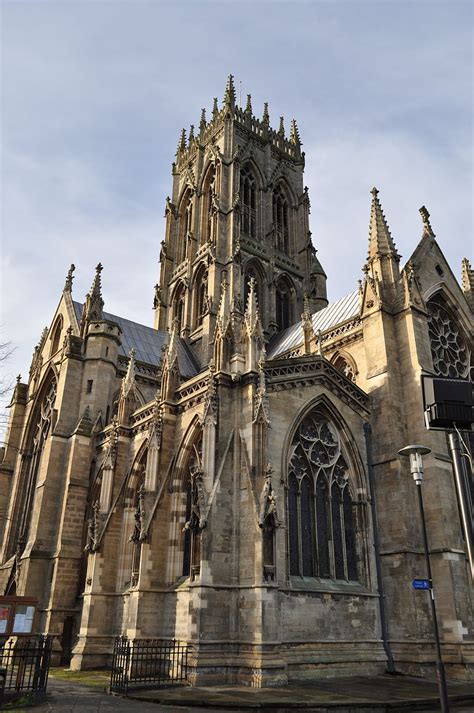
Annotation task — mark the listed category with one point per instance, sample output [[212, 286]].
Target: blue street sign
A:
[[421, 584]]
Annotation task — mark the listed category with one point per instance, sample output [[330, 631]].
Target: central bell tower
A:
[[238, 210]]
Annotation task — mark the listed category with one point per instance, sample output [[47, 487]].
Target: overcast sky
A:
[[94, 95]]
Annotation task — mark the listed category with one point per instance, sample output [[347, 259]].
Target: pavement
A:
[[380, 694]]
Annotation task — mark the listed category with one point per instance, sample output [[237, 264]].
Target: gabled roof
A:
[[344, 309], [147, 342]]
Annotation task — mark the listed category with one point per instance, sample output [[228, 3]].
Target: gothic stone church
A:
[[229, 477]]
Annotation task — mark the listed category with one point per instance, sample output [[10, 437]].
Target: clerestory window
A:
[[321, 523]]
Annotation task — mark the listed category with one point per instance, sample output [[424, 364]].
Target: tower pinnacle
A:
[[380, 240], [229, 96]]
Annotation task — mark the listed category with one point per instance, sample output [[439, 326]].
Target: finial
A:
[[281, 130], [266, 115], [69, 279], [202, 123], [191, 134], [425, 217], [374, 192], [229, 96], [18, 379], [98, 268], [248, 108], [215, 108], [294, 133]]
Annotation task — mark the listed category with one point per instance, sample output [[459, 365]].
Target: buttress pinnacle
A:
[[229, 96], [380, 239]]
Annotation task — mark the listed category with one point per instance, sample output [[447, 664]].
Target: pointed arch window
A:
[[448, 344], [178, 307], [42, 428], [280, 220], [56, 336], [191, 538], [248, 201], [321, 523], [209, 223], [201, 302], [343, 365], [185, 226], [283, 304]]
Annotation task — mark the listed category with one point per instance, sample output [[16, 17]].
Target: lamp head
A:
[[416, 462]]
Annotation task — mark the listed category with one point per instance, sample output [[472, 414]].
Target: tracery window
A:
[[280, 220], [448, 344], [40, 434], [192, 527], [343, 365], [321, 523], [248, 213]]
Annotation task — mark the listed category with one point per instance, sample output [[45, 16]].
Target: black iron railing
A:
[[146, 663], [24, 663]]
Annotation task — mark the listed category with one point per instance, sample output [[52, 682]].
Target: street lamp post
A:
[[416, 468]]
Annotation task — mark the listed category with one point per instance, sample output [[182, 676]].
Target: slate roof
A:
[[147, 342], [347, 307]]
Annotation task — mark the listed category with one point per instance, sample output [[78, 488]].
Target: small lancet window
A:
[[185, 226], [280, 220], [248, 213], [201, 298], [56, 336], [283, 305]]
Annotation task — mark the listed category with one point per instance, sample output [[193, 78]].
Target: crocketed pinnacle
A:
[[94, 305], [467, 276], [229, 96], [202, 123], [191, 134], [251, 315], [181, 142], [172, 349], [294, 133], [128, 383], [380, 239], [281, 130], [427, 229], [248, 108], [266, 115], [215, 108]]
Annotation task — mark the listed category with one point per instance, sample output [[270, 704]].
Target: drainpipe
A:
[[378, 565]]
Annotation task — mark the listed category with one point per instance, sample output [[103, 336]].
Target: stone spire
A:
[[294, 133], [467, 281], [380, 239], [94, 304], [69, 279], [427, 229], [229, 96]]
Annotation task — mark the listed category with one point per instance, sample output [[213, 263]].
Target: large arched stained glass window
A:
[[322, 541]]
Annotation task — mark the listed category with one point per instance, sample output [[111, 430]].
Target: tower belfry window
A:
[[185, 227], [248, 214], [280, 220]]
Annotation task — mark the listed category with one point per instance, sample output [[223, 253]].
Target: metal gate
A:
[[24, 663], [146, 663]]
